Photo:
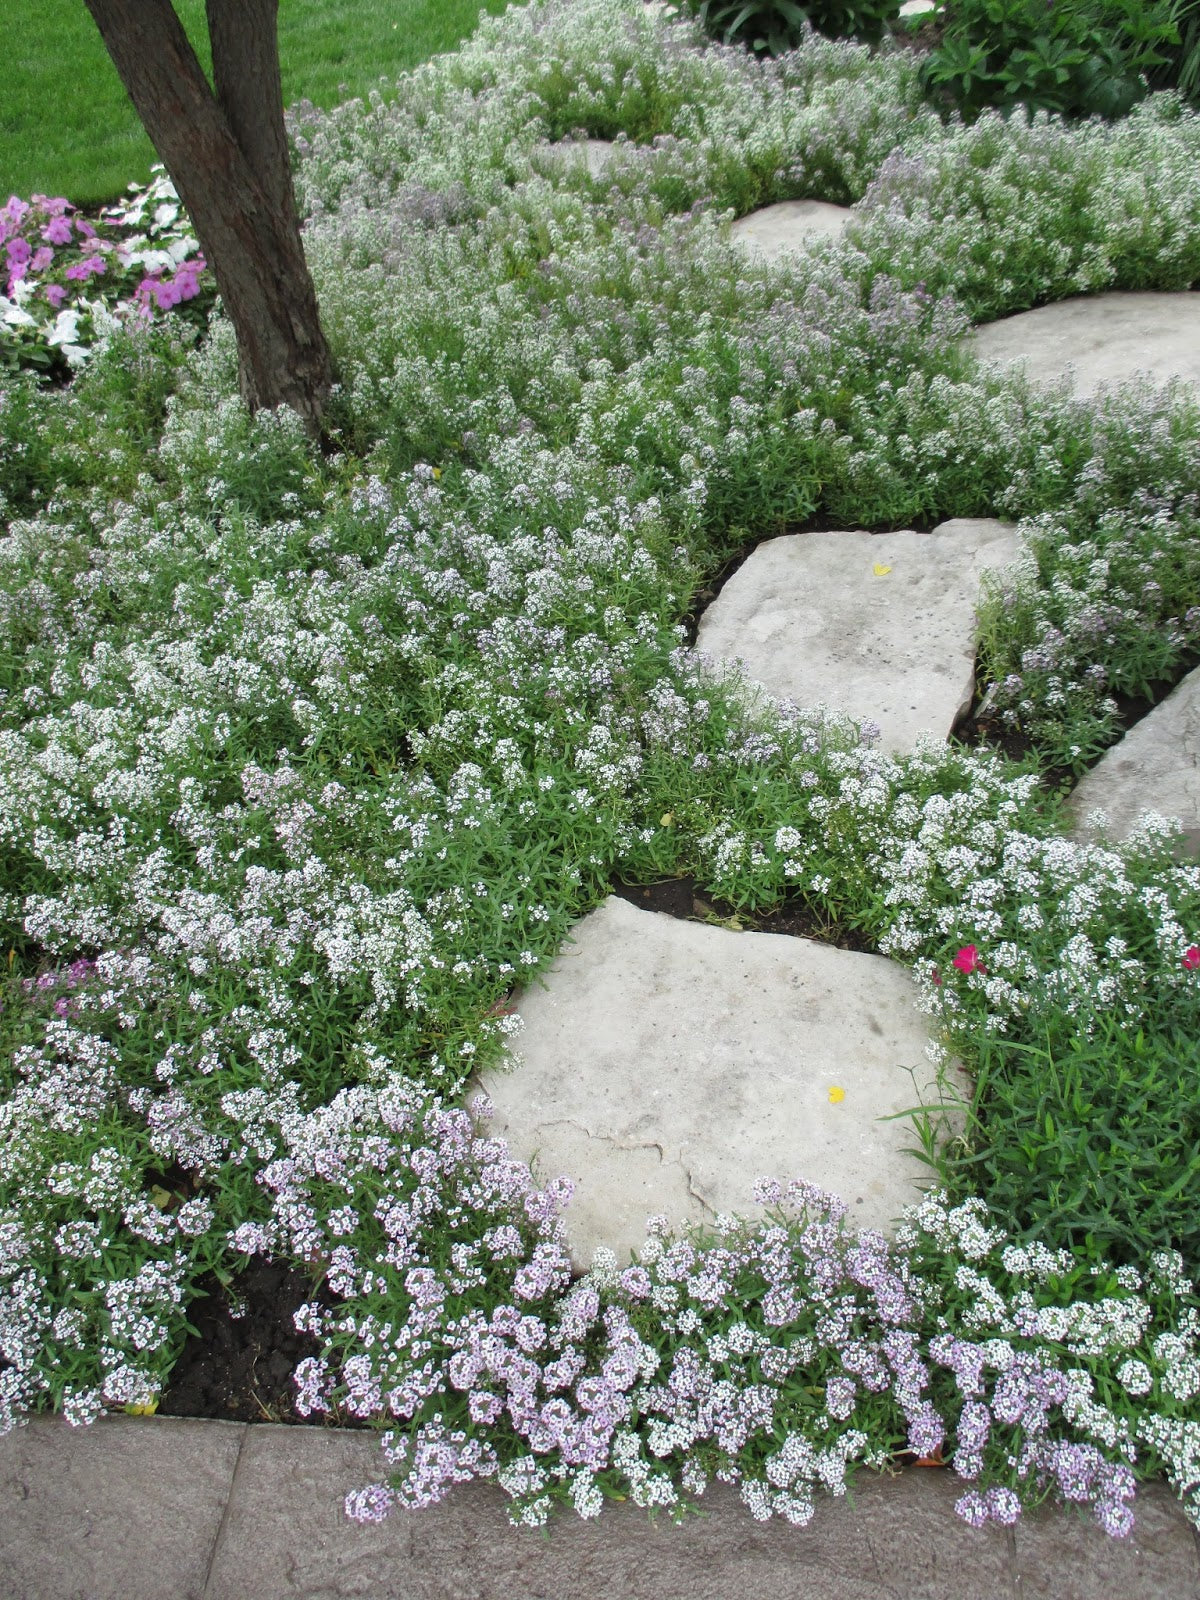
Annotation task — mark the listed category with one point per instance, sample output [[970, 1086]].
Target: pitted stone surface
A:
[[595, 154], [1101, 339], [879, 626], [284, 1535], [783, 230], [130, 1507], [1155, 767], [668, 1064]]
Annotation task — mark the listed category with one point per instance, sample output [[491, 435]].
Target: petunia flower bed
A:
[[68, 283], [307, 763]]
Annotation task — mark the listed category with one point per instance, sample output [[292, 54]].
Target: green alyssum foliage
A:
[[306, 764]]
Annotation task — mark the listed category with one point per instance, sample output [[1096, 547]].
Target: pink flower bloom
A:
[[55, 293], [18, 251], [41, 259], [15, 211], [57, 231], [90, 266], [967, 960], [1191, 958], [86, 228]]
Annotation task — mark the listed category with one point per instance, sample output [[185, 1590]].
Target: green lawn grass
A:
[[66, 125]]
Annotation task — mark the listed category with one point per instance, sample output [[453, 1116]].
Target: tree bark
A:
[[227, 157]]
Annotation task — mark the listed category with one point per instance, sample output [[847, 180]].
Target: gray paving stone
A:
[[138, 1508], [776, 232], [1101, 339], [667, 1064], [287, 1532], [128, 1509], [1156, 766], [879, 626], [896, 1539], [1060, 1556], [594, 154]]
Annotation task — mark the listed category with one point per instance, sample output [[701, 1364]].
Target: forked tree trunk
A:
[[227, 156]]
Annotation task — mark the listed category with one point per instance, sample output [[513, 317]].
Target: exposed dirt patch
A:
[[682, 898], [239, 1364]]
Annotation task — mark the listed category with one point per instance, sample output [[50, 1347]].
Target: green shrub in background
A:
[[1078, 57], [773, 26], [1182, 68]]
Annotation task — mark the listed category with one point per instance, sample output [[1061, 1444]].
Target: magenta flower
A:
[[55, 293], [18, 251], [967, 960], [89, 267], [41, 259], [1191, 958], [57, 231]]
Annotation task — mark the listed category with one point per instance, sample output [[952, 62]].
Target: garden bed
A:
[[307, 763]]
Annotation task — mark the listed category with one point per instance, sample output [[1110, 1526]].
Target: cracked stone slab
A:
[[287, 1524], [668, 1064], [128, 1509], [880, 627], [776, 232], [1101, 339], [1156, 766]]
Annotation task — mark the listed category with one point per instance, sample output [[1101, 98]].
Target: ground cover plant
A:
[[307, 761]]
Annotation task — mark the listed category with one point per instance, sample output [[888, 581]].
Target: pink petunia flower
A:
[[55, 293], [57, 231], [89, 267], [1191, 958], [967, 960], [41, 259]]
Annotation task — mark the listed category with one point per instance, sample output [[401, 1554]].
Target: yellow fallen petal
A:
[[836, 1095], [667, 819], [880, 570], [437, 472], [147, 1410]]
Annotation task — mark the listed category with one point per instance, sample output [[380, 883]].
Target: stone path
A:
[[879, 626], [667, 1064], [1101, 339], [166, 1509], [782, 230], [1156, 766]]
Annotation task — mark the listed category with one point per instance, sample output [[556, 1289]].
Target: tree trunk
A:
[[227, 157]]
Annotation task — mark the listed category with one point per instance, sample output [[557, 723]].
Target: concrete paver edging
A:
[[172, 1509]]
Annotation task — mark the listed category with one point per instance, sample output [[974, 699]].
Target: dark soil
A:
[[239, 1366], [682, 898]]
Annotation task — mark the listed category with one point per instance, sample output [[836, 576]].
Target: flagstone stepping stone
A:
[[878, 626], [667, 1064], [1155, 767], [594, 154], [786, 229], [1100, 339]]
